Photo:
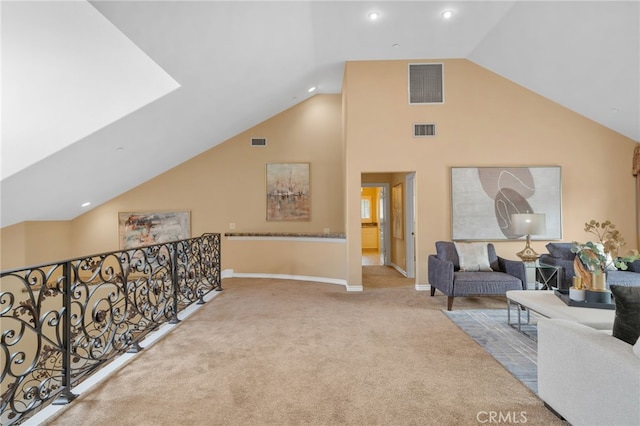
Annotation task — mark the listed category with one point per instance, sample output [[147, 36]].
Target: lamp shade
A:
[[528, 223]]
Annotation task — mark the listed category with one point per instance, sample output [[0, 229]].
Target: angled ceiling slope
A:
[[101, 78], [66, 72], [582, 55]]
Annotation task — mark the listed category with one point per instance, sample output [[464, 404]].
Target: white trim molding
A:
[[290, 277]]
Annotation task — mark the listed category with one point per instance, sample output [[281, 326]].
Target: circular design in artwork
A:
[[494, 180], [507, 202]]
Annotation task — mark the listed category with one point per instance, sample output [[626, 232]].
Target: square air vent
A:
[[424, 130], [425, 84], [258, 142]]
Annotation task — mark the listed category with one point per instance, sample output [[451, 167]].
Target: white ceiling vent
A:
[[426, 84], [258, 142], [424, 130]]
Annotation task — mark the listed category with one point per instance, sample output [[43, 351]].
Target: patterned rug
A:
[[514, 350]]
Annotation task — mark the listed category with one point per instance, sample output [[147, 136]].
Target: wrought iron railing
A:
[[63, 321]]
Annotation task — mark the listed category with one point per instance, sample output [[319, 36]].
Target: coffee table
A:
[[547, 304]]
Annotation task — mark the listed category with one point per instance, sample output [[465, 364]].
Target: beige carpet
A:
[[273, 352], [384, 277]]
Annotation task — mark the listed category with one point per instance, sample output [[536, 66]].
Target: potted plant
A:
[[602, 255]]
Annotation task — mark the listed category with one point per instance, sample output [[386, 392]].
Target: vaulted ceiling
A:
[[101, 96]]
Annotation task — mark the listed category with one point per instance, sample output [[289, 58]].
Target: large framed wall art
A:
[[483, 199], [288, 192], [142, 229]]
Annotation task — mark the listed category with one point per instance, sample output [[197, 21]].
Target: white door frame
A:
[[409, 225]]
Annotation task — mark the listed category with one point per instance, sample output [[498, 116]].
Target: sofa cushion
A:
[[560, 250], [626, 326], [473, 257], [623, 278], [636, 348]]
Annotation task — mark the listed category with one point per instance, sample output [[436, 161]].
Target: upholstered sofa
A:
[[560, 255], [499, 276], [588, 376]]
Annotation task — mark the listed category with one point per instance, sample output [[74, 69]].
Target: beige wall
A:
[[227, 185], [13, 250], [33, 243], [224, 185], [486, 120]]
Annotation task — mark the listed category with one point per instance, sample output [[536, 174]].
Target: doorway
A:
[[374, 211], [388, 219]]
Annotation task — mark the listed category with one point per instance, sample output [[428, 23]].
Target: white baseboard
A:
[[355, 288], [289, 277], [423, 287]]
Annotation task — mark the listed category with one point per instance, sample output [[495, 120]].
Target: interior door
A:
[[383, 209], [409, 212]]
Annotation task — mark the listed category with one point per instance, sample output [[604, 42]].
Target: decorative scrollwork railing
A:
[[63, 321]]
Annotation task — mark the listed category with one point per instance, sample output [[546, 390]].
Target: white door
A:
[[383, 208], [409, 216]]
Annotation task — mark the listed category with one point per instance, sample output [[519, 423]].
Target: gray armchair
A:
[[445, 274]]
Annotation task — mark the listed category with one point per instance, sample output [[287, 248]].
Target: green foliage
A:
[[599, 256]]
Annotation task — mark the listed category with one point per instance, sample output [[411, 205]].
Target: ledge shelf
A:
[[287, 236]]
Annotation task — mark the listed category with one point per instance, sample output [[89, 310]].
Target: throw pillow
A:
[[626, 325], [473, 257]]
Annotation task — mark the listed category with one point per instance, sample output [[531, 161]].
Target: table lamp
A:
[[528, 224]]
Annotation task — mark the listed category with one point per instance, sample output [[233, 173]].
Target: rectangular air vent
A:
[[422, 130], [258, 142], [425, 84]]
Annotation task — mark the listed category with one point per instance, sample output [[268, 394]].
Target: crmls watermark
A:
[[497, 417]]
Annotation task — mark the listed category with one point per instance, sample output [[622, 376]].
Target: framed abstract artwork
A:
[[484, 198], [142, 229], [288, 192]]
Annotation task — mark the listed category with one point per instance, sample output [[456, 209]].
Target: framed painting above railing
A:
[[288, 192], [141, 229], [483, 199]]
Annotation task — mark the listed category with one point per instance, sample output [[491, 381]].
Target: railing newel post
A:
[[176, 286], [66, 395], [218, 262], [135, 348]]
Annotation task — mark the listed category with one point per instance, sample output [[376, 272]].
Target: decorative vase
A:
[[577, 294], [598, 281], [598, 296]]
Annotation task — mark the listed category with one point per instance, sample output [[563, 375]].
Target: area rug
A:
[[516, 351]]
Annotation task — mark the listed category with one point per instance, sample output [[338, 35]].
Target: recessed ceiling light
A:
[[374, 16], [120, 148], [312, 89], [86, 204], [614, 110], [395, 45], [447, 14]]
